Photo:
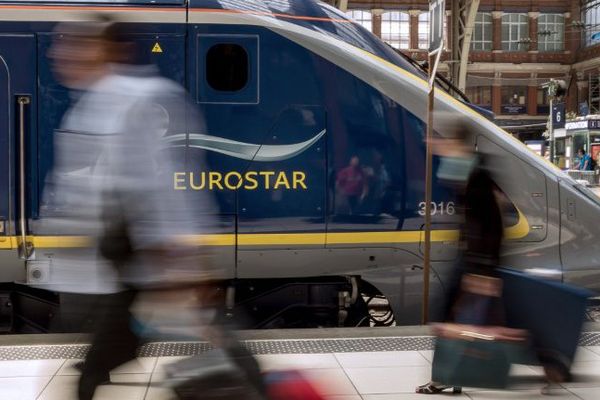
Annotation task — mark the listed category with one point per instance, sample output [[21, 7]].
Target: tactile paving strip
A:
[[304, 346], [42, 352], [590, 339], [339, 345], [163, 349]]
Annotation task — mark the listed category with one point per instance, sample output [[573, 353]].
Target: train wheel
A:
[[379, 310]]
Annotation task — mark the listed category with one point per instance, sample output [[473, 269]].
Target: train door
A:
[[579, 244], [264, 141], [286, 210], [165, 51], [17, 128], [526, 199], [525, 209]]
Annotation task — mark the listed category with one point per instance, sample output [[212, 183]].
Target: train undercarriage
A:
[[335, 301]]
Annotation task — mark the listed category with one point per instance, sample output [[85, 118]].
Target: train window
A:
[[227, 67], [510, 214]]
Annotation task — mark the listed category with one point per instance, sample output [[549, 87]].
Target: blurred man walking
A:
[[127, 108]]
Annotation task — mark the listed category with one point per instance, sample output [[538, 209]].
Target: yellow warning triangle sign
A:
[[157, 48]]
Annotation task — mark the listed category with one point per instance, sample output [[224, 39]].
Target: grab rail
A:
[[25, 247]]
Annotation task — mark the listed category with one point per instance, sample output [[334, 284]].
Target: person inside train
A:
[[378, 184], [121, 183], [351, 184]]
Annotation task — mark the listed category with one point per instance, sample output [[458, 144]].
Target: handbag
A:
[[472, 352], [476, 356]]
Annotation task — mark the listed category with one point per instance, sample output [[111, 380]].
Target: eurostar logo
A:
[[249, 180], [241, 150], [233, 180]]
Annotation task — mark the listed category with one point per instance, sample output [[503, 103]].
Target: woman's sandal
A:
[[433, 388], [555, 375]]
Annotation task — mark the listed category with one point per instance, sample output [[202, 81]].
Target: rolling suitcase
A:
[[210, 376], [290, 385], [229, 373], [552, 312]]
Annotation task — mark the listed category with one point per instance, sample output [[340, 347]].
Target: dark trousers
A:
[[114, 342]]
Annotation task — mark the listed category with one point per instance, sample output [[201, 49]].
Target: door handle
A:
[[25, 247], [571, 209]]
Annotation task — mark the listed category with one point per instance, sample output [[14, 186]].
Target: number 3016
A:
[[441, 208]]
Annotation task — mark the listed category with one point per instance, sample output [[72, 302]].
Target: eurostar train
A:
[[315, 151]]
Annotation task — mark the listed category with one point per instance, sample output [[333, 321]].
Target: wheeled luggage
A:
[[552, 312], [290, 385], [233, 374], [214, 375]]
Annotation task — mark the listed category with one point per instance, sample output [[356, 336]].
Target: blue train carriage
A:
[[314, 140]]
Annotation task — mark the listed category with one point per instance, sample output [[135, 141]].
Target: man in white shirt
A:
[[112, 175]]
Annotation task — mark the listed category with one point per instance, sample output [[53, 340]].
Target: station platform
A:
[[345, 364]]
